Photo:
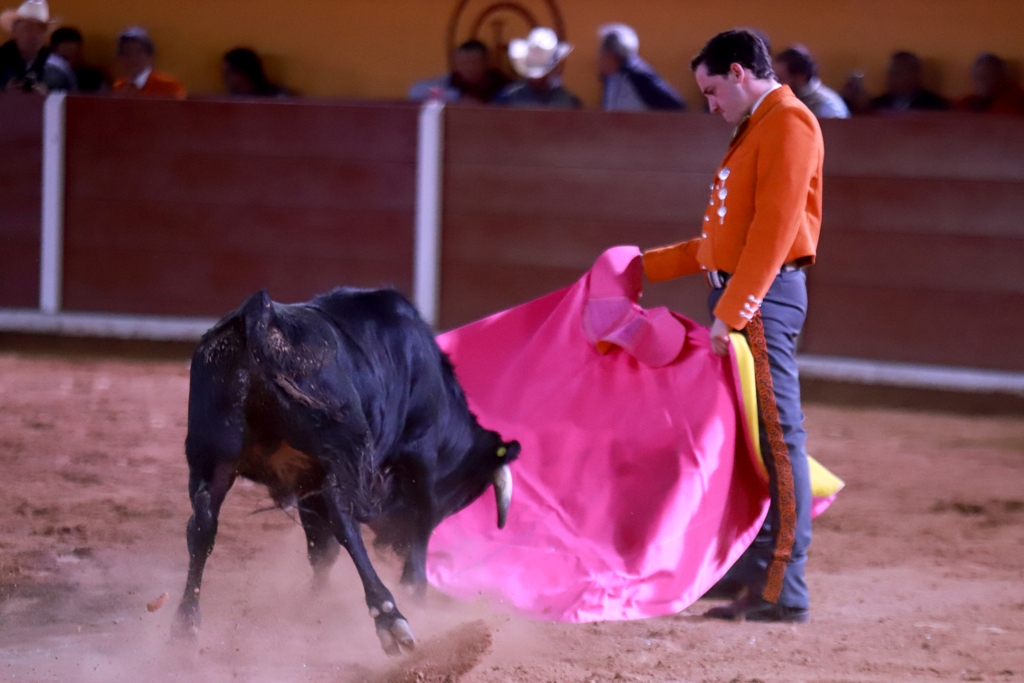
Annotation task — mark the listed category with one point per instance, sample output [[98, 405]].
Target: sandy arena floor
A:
[[916, 572]]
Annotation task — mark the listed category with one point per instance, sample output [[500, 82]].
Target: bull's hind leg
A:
[[321, 544], [213, 445], [414, 571], [207, 495], [392, 628]]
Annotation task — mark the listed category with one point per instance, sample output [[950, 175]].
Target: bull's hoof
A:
[[414, 581], [185, 627], [416, 591], [321, 581], [398, 638]]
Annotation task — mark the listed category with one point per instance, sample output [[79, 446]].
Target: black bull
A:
[[345, 408]]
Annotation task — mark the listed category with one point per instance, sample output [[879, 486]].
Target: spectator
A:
[[67, 43], [538, 59], [905, 87], [630, 84], [796, 68], [994, 90], [25, 62], [471, 78], [135, 52], [243, 75], [855, 95]]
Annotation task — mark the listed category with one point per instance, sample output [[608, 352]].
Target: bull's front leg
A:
[[392, 628]]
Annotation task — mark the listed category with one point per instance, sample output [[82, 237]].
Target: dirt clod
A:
[[156, 603], [444, 659]]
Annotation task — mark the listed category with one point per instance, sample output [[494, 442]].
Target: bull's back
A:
[[237, 415], [407, 383], [218, 384]]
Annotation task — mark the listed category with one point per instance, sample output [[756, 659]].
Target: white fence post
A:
[[429, 170], [51, 257]]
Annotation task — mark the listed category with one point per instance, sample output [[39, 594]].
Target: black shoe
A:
[[753, 607], [725, 589]]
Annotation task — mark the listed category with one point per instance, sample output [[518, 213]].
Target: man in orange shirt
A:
[[135, 59], [760, 229], [995, 91]]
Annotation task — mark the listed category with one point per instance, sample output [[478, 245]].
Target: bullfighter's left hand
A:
[[720, 337]]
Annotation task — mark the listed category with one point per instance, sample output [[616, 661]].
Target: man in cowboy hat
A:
[[538, 59], [25, 63], [135, 52], [630, 84]]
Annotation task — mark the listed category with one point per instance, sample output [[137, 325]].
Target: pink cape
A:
[[635, 490]]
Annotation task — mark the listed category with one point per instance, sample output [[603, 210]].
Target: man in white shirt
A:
[[630, 84]]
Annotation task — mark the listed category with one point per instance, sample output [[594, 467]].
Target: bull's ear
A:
[[508, 451]]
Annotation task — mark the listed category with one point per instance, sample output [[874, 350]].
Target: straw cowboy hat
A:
[[538, 54], [30, 10]]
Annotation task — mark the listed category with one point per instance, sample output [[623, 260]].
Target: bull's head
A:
[[485, 464], [506, 453]]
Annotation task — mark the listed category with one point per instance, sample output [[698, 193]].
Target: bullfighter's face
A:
[[727, 94]]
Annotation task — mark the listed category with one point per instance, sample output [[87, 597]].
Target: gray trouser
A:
[[789, 517]]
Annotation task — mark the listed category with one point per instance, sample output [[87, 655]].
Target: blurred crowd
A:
[[631, 84], [40, 57]]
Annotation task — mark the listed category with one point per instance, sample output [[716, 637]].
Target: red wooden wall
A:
[[531, 198], [185, 208], [21, 182], [922, 247]]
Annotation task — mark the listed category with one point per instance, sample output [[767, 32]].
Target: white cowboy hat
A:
[[30, 10], [538, 54], [626, 36]]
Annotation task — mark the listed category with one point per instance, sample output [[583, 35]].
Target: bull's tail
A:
[[335, 422], [258, 312]]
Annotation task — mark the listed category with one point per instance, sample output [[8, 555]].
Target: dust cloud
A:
[[915, 572]]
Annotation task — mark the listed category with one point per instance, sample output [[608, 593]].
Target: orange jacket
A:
[[765, 208], [158, 84], [1008, 102]]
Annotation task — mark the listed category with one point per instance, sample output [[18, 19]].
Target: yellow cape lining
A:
[[823, 483]]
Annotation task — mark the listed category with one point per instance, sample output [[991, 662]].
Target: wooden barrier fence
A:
[[184, 208], [922, 248], [21, 176]]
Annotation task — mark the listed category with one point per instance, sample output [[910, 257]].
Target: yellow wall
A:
[[376, 48]]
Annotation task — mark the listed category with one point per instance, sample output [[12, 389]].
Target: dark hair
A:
[[764, 38], [611, 43], [908, 58], [65, 34], [992, 60], [138, 35], [798, 62], [472, 46], [248, 63], [739, 46]]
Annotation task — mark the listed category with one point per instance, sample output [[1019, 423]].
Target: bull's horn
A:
[[503, 493]]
